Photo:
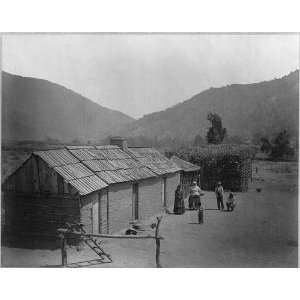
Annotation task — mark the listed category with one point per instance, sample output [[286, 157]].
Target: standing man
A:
[[219, 194]]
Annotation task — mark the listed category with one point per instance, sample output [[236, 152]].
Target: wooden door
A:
[[95, 214], [135, 201], [103, 212], [164, 191]]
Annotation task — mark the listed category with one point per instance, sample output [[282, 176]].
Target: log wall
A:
[[38, 215], [35, 176]]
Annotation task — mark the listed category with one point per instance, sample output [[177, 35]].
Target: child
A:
[[230, 202]]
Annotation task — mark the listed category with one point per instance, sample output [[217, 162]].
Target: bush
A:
[[279, 147]]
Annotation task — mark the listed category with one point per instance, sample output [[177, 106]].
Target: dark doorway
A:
[[164, 191], [135, 201]]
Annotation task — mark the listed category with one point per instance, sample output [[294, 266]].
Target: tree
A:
[[281, 146], [216, 132], [266, 146]]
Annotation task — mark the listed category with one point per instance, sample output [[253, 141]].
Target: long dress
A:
[[179, 203], [194, 198]]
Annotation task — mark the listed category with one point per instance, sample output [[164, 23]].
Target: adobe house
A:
[[103, 187], [189, 173]]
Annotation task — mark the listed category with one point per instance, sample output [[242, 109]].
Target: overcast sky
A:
[[142, 73]]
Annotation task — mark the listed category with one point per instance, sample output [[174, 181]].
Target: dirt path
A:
[[261, 232]]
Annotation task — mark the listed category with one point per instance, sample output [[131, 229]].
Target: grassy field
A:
[[261, 232]]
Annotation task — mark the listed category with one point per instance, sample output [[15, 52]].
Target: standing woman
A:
[[179, 208], [194, 199]]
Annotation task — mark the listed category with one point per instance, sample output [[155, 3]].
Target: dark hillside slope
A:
[[35, 109], [246, 109]]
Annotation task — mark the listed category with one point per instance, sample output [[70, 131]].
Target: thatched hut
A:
[[231, 164]]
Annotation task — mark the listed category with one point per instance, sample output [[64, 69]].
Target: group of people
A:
[[195, 198], [230, 203]]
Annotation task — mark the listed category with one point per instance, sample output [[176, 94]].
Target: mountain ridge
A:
[[252, 106], [37, 109]]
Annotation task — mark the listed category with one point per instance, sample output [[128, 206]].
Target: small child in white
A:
[[231, 203]]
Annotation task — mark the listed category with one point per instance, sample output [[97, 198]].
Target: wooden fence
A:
[[65, 233]]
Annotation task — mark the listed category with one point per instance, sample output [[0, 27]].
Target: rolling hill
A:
[[246, 109], [36, 109]]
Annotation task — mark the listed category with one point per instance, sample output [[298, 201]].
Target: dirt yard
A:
[[261, 232]]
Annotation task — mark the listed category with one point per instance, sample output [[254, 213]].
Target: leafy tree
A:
[[266, 146], [281, 146], [216, 132]]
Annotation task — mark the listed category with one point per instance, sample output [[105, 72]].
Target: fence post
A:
[[63, 250], [157, 239]]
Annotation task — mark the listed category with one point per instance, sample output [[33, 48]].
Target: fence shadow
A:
[[80, 264], [34, 241]]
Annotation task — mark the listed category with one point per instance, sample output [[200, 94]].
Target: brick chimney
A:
[[120, 142]]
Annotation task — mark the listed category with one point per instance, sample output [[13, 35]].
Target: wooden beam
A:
[[157, 239], [107, 211], [108, 236], [63, 250], [99, 213]]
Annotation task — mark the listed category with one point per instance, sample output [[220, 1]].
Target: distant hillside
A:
[[246, 109], [34, 109]]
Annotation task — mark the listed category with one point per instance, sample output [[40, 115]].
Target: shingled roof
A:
[[72, 170], [90, 168], [185, 165], [154, 160]]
